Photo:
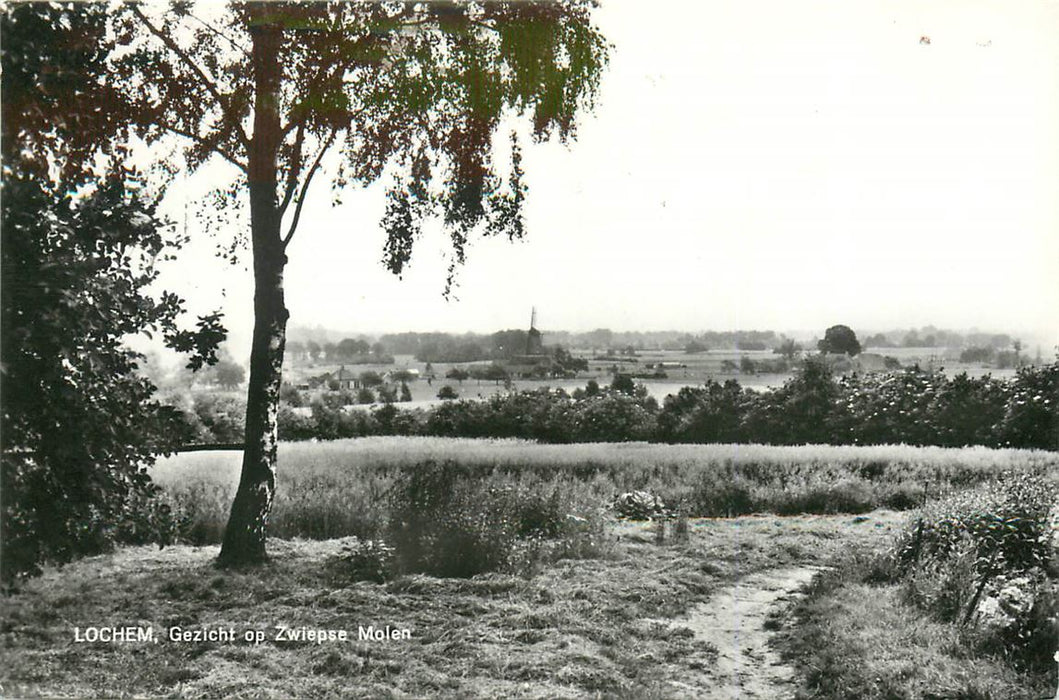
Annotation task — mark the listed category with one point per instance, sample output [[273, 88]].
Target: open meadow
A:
[[501, 568]]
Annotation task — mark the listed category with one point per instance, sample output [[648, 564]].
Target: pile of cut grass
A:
[[340, 488]]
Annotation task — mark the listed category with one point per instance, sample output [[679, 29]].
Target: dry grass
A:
[[856, 640], [577, 629]]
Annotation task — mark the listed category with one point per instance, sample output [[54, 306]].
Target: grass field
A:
[[630, 619], [696, 369], [338, 489], [576, 629]]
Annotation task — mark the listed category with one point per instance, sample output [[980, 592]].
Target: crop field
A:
[[338, 488]]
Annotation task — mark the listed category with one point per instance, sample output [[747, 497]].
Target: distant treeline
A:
[[931, 337], [911, 406], [475, 347], [354, 351]]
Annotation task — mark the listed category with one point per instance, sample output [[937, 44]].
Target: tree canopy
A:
[[415, 91], [840, 339], [80, 241]]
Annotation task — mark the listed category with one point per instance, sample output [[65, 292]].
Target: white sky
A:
[[753, 164]]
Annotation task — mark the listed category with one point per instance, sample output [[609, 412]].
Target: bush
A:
[[221, 417], [911, 406], [447, 393], [294, 425], [364, 560], [439, 526], [983, 556], [458, 520]]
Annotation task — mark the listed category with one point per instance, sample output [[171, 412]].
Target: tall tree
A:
[[413, 93], [79, 425]]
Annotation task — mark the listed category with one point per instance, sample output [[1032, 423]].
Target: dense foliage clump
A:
[[80, 425], [454, 519], [985, 558]]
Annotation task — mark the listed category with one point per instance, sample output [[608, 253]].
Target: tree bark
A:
[[244, 538]]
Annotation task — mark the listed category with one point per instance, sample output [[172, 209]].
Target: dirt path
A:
[[733, 621]]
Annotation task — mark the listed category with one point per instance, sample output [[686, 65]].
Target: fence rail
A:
[[201, 447], [204, 447]]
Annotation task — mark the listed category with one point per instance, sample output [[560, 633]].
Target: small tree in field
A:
[[788, 349], [839, 339], [458, 374]]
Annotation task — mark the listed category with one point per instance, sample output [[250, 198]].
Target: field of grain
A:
[[339, 488]]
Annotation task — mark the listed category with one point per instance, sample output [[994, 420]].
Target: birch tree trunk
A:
[[244, 538]]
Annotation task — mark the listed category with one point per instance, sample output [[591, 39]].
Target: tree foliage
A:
[[412, 91], [840, 339], [80, 242]]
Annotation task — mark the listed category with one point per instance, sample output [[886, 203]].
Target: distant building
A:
[[536, 362], [534, 341], [347, 379], [529, 366]]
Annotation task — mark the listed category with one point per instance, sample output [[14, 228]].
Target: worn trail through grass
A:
[[736, 622]]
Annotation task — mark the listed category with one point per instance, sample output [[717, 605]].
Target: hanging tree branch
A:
[[235, 44], [198, 139]]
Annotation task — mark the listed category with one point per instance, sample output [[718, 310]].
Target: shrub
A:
[[459, 520], [439, 526], [294, 425], [364, 560], [221, 417], [447, 393], [983, 556], [1031, 413]]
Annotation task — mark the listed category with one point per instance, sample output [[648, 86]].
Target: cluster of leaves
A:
[[992, 541], [455, 519]]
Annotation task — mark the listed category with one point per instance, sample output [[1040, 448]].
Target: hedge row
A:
[[911, 406]]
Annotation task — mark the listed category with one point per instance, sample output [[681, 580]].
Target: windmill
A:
[[534, 344]]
